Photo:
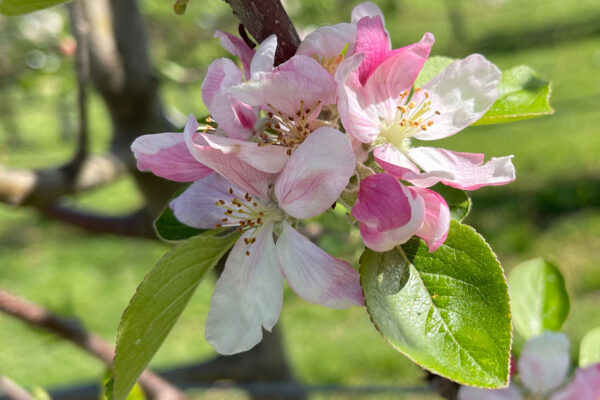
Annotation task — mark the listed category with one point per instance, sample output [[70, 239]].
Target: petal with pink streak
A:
[[167, 156], [544, 362], [316, 173], [233, 116], [472, 393], [366, 9], [394, 74], [462, 93], [269, 158], [248, 295], [388, 212], [358, 118], [585, 385], [314, 275], [467, 169], [372, 40], [196, 205], [264, 57], [394, 162], [301, 78], [434, 230], [238, 48], [230, 166], [328, 41]]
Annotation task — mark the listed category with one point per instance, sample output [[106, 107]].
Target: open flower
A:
[[249, 293], [377, 106], [542, 370]]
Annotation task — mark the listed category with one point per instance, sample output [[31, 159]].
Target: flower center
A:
[[288, 130], [412, 117], [248, 213]]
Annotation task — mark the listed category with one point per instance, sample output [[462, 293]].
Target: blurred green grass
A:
[[552, 210]]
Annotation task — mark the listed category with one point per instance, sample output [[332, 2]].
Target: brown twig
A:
[[12, 390], [71, 330], [263, 18]]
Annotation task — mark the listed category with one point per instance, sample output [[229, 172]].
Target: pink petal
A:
[[248, 295], [544, 362], [316, 173], [301, 78], [372, 40], [585, 386], [234, 117], [264, 57], [238, 48], [437, 218], [388, 212], [366, 9], [472, 393], [230, 166], [167, 156], [467, 170], [394, 162], [316, 276], [358, 118], [328, 41], [394, 74], [196, 205], [462, 93], [267, 158]]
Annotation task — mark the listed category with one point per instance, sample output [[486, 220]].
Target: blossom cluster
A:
[[541, 373], [339, 122]]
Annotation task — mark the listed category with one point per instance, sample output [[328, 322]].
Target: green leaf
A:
[[17, 7], [169, 228], [589, 349], [539, 297], [159, 301], [458, 201], [433, 66], [448, 311], [521, 95]]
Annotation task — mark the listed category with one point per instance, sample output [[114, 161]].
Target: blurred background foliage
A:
[[552, 210]]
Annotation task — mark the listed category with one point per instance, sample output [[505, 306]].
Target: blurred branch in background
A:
[[12, 390], [71, 330]]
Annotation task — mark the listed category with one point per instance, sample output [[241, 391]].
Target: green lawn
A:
[[552, 210]]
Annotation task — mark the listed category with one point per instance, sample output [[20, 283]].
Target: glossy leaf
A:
[[180, 6], [169, 228], [539, 297], [521, 95], [159, 301], [458, 201], [17, 7], [589, 349], [448, 311]]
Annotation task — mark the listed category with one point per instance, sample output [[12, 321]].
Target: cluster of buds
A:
[[337, 122]]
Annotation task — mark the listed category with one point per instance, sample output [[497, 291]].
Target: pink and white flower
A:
[[249, 294], [542, 369]]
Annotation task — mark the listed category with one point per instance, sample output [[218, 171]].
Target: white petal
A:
[[264, 58], [465, 171], [544, 362], [316, 173], [366, 9], [248, 295], [471, 393], [230, 166], [196, 205], [462, 93], [328, 41], [314, 275], [264, 158]]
